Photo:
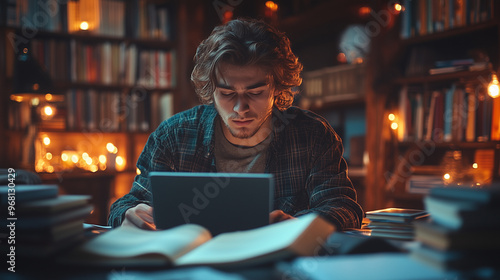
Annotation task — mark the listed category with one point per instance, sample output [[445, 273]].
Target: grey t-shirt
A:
[[239, 159]]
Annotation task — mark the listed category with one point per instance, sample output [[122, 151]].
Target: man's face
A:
[[244, 98]]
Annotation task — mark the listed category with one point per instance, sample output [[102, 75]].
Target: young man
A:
[[244, 74]]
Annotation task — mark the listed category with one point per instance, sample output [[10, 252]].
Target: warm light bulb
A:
[[447, 176], [272, 6], [46, 141], [138, 171], [110, 147], [474, 165], [74, 158], [119, 160], [84, 25], [102, 159], [398, 8], [48, 97], [93, 168], [64, 157], [48, 156], [493, 87], [394, 125], [392, 117], [48, 111]]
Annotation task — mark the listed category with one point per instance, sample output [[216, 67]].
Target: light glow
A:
[[102, 159], [447, 176], [46, 140], [392, 117], [394, 125], [272, 6], [48, 111], [493, 87], [84, 25], [474, 165]]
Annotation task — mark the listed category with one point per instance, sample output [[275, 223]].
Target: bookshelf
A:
[[446, 121], [112, 83]]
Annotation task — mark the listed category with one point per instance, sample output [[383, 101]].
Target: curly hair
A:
[[247, 42]]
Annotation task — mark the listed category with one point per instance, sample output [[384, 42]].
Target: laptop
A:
[[220, 202]]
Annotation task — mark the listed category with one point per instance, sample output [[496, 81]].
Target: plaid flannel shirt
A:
[[305, 156]]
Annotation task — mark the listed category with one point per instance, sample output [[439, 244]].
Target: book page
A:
[[235, 247], [128, 242]]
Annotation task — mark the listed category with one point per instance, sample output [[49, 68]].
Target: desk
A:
[[383, 266]]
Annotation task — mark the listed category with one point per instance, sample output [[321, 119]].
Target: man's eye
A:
[[227, 93], [256, 92]]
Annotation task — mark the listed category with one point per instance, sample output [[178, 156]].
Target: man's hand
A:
[[140, 216], [278, 216]]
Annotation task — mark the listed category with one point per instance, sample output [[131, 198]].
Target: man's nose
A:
[[241, 104]]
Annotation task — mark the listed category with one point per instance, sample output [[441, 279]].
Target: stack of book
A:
[[37, 222], [394, 223], [463, 230]]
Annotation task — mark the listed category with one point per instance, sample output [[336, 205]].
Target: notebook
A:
[[220, 202]]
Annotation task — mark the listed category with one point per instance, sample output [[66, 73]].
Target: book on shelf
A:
[[449, 69], [427, 16], [192, 244], [453, 114]]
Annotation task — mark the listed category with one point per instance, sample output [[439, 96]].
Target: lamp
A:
[[31, 83], [29, 77]]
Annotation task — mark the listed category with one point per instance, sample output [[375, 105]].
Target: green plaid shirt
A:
[[305, 156]]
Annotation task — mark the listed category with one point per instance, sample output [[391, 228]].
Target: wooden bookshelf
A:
[[392, 156]]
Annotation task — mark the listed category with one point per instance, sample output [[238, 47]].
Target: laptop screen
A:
[[220, 202]]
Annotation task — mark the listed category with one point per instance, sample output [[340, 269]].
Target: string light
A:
[[493, 87]]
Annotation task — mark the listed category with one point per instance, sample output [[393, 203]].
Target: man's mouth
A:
[[243, 122]]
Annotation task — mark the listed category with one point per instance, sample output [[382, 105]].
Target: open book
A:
[[191, 244]]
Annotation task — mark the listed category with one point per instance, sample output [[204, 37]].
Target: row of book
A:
[[117, 18], [42, 223], [462, 233], [136, 111], [429, 16], [106, 63], [334, 83], [92, 110], [453, 114]]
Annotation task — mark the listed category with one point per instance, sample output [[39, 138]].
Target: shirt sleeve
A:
[[331, 193], [155, 156]]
